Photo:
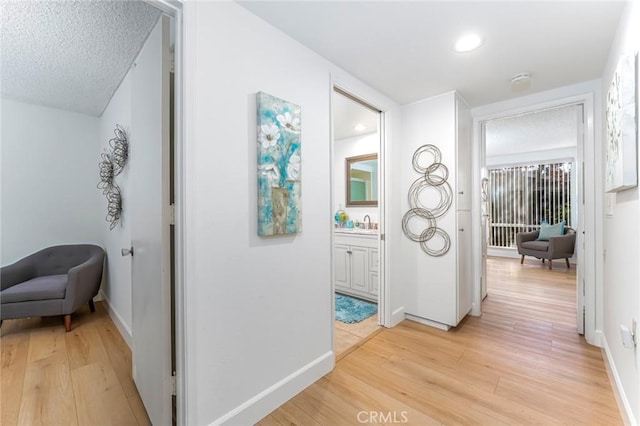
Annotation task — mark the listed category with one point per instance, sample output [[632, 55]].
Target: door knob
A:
[[127, 251]]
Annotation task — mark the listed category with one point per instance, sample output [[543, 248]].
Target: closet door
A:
[[464, 255], [463, 157]]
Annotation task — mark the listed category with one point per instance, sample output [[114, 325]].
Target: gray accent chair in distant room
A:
[[53, 281], [560, 247]]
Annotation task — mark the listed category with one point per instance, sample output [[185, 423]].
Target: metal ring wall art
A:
[[422, 212], [111, 165]]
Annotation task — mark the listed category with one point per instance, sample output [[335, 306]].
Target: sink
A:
[[356, 231]]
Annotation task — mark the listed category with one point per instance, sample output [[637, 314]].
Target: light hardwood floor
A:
[[50, 377], [521, 362]]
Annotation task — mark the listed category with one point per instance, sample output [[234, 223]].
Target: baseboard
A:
[[430, 323], [618, 390], [256, 408], [117, 320], [597, 338], [503, 252]]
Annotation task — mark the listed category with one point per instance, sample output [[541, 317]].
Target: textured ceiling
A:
[[70, 54], [538, 131], [404, 48]]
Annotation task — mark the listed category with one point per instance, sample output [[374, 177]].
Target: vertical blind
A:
[[522, 197]]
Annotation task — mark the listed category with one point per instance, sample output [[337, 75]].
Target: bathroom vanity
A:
[[355, 263]]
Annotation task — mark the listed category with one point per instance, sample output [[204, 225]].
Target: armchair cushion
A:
[[536, 245], [40, 288]]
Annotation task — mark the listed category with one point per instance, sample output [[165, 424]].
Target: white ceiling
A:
[[70, 54], [404, 49], [347, 113], [538, 131]]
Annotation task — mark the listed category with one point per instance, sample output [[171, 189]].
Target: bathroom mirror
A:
[[362, 180]]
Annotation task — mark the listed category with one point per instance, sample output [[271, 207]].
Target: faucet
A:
[[364, 220]]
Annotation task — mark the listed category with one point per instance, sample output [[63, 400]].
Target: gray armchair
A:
[[53, 281], [556, 248]]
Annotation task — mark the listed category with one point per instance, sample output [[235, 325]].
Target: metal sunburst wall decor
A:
[[119, 150], [433, 177], [114, 206], [111, 165]]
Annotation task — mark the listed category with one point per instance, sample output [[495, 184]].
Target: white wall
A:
[[116, 286], [621, 291], [343, 149], [258, 310], [49, 176]]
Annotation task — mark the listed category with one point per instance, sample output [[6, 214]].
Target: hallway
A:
[[521, 362]]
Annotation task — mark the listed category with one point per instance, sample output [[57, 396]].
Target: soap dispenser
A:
[[340, 216]]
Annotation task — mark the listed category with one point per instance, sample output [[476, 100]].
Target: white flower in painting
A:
[[268, 135], [290, 123], [293, 168], [271, 172]]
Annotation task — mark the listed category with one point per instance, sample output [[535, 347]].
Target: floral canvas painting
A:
[[622, 127], [279, 161]]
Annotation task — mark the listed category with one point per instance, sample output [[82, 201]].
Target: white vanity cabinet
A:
[[355, 264]]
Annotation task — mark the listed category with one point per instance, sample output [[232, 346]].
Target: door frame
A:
[[587, 94], [174, 9], [383, 297]]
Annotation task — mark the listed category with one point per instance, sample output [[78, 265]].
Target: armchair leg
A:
[[568, 265], [67, 323], [92, 306], [522, 259], [543, 260], [550, 264]]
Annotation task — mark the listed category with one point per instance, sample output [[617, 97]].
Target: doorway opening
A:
[[358, 203], [533, 214]]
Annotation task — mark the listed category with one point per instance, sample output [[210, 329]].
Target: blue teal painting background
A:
[[279, 166]]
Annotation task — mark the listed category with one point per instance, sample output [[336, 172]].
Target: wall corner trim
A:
[[124, 330], [397, 317], [618, 390], [254, 409]]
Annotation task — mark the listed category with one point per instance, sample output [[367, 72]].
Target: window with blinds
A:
[[522, 197]]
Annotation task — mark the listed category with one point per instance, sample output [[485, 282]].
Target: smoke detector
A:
[[521, 82]]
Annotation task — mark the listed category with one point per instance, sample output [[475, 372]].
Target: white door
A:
[[580, 229], [149, 204], [464, 294], [484, 210]]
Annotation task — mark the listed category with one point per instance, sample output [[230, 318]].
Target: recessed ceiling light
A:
[[467, 43], [359, 127]]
